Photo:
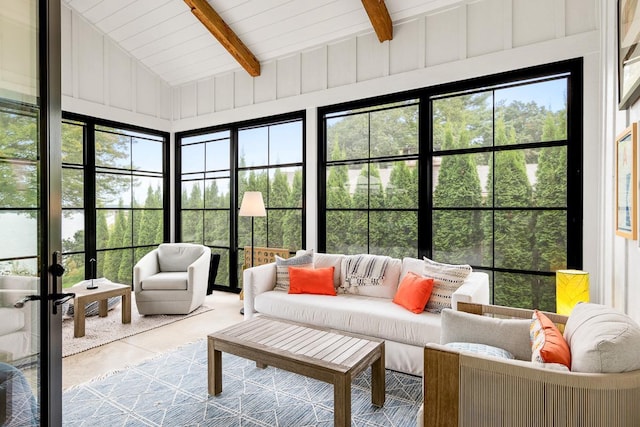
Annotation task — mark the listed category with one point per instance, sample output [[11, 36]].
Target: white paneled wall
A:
[[100, 79], [469, 30]]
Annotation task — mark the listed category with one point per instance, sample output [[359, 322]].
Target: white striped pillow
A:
[[282, 268], [447, 278]]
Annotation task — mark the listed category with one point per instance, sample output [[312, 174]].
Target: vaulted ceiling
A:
[[166, 37]]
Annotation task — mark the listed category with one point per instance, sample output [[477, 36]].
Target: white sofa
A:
[[404, 332], [18, 336]]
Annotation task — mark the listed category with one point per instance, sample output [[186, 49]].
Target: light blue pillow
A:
[[482, 349]]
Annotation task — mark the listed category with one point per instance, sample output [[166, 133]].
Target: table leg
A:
[[378, 381], [78, 318], [126, 307], [341, 400], [214, 366], [102, 308]]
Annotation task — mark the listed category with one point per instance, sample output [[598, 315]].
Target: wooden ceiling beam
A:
[[225, 35], [380, 19]]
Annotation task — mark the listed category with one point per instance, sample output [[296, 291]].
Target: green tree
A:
[[457, 234], [112, 258], [292, 224], [338, 197], [279, 193]]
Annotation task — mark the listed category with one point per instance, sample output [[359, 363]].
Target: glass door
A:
[[30, 337]]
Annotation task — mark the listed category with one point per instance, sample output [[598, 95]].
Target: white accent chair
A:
[[172, 279], [18, 334]]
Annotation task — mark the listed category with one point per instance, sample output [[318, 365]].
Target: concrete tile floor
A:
[[117, 355]]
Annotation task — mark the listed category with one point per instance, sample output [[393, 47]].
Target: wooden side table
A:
[[105, 290]]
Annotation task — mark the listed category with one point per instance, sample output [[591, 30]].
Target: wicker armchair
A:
[[463, 389]]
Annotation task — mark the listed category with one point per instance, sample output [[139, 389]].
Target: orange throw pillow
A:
[[547, 343], [317, 281], [414, 292]]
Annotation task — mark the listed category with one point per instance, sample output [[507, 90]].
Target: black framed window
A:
[[499, 183], [217, 165], [114, 187]]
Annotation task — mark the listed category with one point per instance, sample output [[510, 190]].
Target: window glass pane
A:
[[348, 137], [253, 147], [21, 229], [113, 228], [113, 150], [244, 231], [138, 253], [401, 189], [147, 227], [18, 135], [280, 186], [550, 188], [460, 180], [254, 180], [393, 233], [146, 155], [525, 291], [216, 195], [147, 191], [19, 185], [222, 278], [347, 232], [116, 265], [72, 143], [72, 230], [359, 175], [550, 240], [72, 188], [218, 155], [513, 238], [205, 137], [74, 269], [113, 190], [277, 228], [285, 143], [463, 121], [192, 158], [292, 225], [191, 227], [192, 194], [216, 227], [532, 112], [338, 187], [394, 131], [513, 173], [459, 237]]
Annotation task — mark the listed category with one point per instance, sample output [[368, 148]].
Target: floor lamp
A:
[[253, 206]]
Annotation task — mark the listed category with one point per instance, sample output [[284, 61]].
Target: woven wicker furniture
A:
[[326, 355], [464, 389]]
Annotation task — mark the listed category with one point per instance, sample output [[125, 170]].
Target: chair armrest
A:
[[474, 289], [147, 266], [198, 272], [257, 280], [502, 311]]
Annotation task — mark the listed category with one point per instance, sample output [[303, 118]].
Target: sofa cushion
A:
[[547, 343], [11, 320], [375, 317], [304, 260], [387, 287], [330, 260], [482, 349], [447, 278], [509, 334], [413, 292], [177, 256], [602, 339], [318, 281], [173, 281]]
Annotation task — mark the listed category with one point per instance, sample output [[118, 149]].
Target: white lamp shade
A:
[[252, 204]]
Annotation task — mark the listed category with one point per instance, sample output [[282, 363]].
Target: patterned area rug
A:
[[171, 390], [103, 330]]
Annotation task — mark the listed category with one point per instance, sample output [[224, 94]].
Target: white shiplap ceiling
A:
[[166, 37]]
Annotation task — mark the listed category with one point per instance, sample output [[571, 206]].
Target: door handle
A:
[[59, 299], [58, 270]]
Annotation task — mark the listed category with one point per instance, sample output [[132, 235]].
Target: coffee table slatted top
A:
[[336, 350]]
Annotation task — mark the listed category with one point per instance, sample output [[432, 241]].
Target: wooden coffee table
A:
[[327, 355], [105, 290]]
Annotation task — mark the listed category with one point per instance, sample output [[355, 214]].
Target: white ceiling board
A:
[[166, 37]]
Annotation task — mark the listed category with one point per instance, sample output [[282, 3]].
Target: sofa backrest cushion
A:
[[509, 334], [386, 289], [178, 256], [330, 260], [602, 339]]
